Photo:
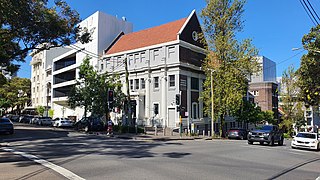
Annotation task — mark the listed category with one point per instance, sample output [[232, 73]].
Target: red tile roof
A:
[[155, 35]]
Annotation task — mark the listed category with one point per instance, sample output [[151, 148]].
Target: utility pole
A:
[[128, 91]]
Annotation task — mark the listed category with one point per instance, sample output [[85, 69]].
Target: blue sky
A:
[[274, 26]]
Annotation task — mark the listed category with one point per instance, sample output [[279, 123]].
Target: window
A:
[[37, 77], [156, 109], [34, 79], [255, 93], [171, 51], [37, 90], [101, 67], [136, 58], [156, 82], [194, 83], [131, 84], [136, 83], [171, 80], [143, 57], [143, 83], [194, 110], [155, 54], [309, 119]]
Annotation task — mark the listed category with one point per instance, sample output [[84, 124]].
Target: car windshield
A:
[[306, 135], [266, 128], [2, 120]]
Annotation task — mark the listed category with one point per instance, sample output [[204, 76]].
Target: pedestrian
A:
[[110, 124]]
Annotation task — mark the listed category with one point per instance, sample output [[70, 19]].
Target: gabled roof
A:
[[148, 37]]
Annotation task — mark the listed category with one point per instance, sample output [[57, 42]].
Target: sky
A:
[[274, 26]]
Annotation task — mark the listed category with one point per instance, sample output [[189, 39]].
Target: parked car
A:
[[25, 119], [62, 122], [306, 140], [89, 124], [6, 126], [14, 118], [267, 133], [45, 121], [237, 133], [34, 120]]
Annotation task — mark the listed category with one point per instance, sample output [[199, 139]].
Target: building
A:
[[104, 29], [41, 76], [163, 61], [264, 87]]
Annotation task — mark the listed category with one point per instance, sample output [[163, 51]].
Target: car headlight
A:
[[312, 142], [250, 133], [266, 134]]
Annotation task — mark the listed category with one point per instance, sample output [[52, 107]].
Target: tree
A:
[[289, 96], [229, 61], [248, 113], [40, 110], [31, 24], [308, 73], [83, 92], [91, 91], [15, 93], [51, 112]]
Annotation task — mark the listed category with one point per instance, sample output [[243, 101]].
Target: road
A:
[[45, 153]]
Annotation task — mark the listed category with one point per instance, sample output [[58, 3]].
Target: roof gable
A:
[[148, 37]]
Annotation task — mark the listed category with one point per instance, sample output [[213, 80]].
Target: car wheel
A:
[[86, 129], [280, 143], [250, 142]]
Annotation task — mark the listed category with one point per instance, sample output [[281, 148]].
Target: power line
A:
[[305, 7], [313, 10]]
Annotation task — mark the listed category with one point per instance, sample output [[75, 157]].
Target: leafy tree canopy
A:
[[31, 24], [229, 62], [308, 73]]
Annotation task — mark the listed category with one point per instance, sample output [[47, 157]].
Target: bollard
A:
[[198, 132], [155, 131], [164, 131], [208, 133], [203, 133]]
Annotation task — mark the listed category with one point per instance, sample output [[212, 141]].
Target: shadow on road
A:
[[61, 147]]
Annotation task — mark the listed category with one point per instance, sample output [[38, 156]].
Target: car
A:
[[266, 134], [306, 140], [237, 133], [44, 121], [62, 122], [6, 126], [34, 120], [14, 118], [89, 124], [25, 119]]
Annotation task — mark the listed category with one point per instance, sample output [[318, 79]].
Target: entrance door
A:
[[171, 117]]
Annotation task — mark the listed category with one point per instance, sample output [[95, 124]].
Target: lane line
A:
[[64, 172]]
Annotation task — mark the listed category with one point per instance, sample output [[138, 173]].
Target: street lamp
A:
[[312, 50], [212, 105]]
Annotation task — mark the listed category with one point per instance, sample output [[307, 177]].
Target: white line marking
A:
[[64, 172]]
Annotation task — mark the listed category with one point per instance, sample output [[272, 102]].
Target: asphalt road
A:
[[45, 153]]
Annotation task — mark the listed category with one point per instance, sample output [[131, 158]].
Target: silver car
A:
[[44, 121], [62, 122]]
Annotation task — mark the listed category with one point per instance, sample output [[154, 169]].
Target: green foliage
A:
[[29, 23], [229, 62], [308, 73], [51, 113], [268, 116], [248, 113], [291, 106], [40, 110], [15, 93], [91, 90]]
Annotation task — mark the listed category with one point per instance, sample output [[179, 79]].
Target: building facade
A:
[[41, 76], [163, 61], [264, 86], [103, 29]]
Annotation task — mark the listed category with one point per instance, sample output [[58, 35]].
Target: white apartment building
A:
[[104, 29], [162, 61], [41, 76]]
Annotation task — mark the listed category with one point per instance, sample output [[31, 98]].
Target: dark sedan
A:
[[6, 126], [237, 133]]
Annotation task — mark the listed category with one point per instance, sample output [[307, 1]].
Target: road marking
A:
[[64, 172]]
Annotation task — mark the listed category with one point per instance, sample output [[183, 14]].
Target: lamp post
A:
[[312, 50], [212, 105]]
